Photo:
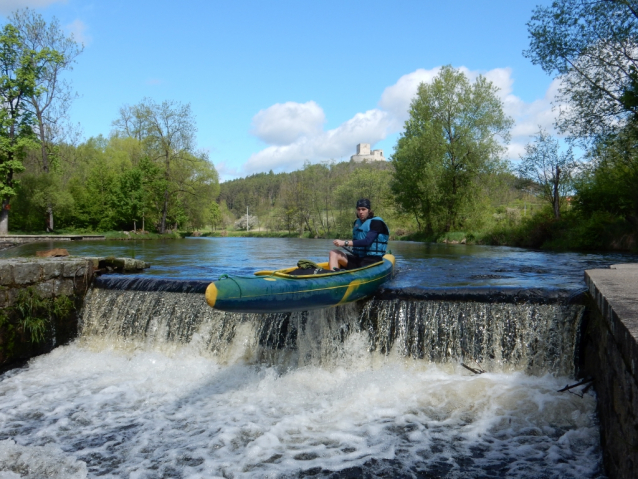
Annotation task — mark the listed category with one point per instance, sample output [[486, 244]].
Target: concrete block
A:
[[51, 269], [625, 266], [615, 292], [131, 264], [4, 297], [94, 260], [11, 295], [75, 269], [6, 273], [64, 287], [27, 273], [46, 288]]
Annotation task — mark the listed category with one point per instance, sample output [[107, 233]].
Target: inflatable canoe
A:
[[279, 292]]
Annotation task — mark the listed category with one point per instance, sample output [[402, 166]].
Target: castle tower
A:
[[364, 154]]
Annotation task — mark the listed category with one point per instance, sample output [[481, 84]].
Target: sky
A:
[[273, 84]]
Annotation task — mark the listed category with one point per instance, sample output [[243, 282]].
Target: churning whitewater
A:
[[242, 396]]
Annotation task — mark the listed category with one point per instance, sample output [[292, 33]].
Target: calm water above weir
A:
[[159, 385], [419, 264]]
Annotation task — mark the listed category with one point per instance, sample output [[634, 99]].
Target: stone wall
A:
[[40, 299], [609, 354], [22, 239], [30, 290]]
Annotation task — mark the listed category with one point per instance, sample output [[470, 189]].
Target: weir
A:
[[158, 384], [537, 336]]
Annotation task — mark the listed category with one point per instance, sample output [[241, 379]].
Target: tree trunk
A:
[[4, 218], [48, 222], [164, 213], [451, 208], [556, 194]]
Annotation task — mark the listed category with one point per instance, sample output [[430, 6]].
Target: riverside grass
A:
[[600, 232]]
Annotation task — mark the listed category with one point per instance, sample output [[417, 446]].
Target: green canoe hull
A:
[[279, 292]]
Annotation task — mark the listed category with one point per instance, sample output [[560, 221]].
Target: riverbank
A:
[[538, 231], [600, 233]]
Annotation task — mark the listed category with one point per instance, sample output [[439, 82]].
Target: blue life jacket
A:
[[360, 231]]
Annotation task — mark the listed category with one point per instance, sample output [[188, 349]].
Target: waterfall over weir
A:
[[532, 337], [159, 385]]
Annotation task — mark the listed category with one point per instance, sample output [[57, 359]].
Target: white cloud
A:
[[529, 117], [284, 123], [500, 77], [8, 6], [294, 132], [369, 127], [78, 28], [396, 99]]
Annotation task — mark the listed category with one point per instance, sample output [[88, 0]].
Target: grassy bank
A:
[[109, 235], [599, 232]]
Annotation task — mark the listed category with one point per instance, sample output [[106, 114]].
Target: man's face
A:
[[362, 213]]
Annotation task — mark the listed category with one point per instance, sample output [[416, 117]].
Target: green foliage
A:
[[318, 199], [214, 214], [107, 184], [609, 183], [20, 69], [449, 147], [187, 181], [62, 307], [4, 319], [34, 193], [595, 232], [35, 313], [591, 46]]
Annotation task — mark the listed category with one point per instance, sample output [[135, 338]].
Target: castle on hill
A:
[[364, 153]]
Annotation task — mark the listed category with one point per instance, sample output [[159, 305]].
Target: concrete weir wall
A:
[[22, 239], [32, 292], [610, 355], [40, 299]]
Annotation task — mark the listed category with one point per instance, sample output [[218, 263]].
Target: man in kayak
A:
[[369, 241]]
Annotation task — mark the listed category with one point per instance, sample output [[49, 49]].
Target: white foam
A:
[[130, 412], [36, 462]]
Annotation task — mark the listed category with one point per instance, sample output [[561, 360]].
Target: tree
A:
[[450, 141], [608, 183], [195, 185], [167, 130], [550, 169], [52, 96], [20, 71], [214, 215], [592, 47], [415, 182]]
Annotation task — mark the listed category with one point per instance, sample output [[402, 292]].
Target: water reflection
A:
[[419, 264]]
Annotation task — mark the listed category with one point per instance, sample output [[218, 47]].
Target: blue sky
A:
[[273, 84]]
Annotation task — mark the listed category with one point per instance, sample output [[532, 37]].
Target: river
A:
[[158, 385]]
